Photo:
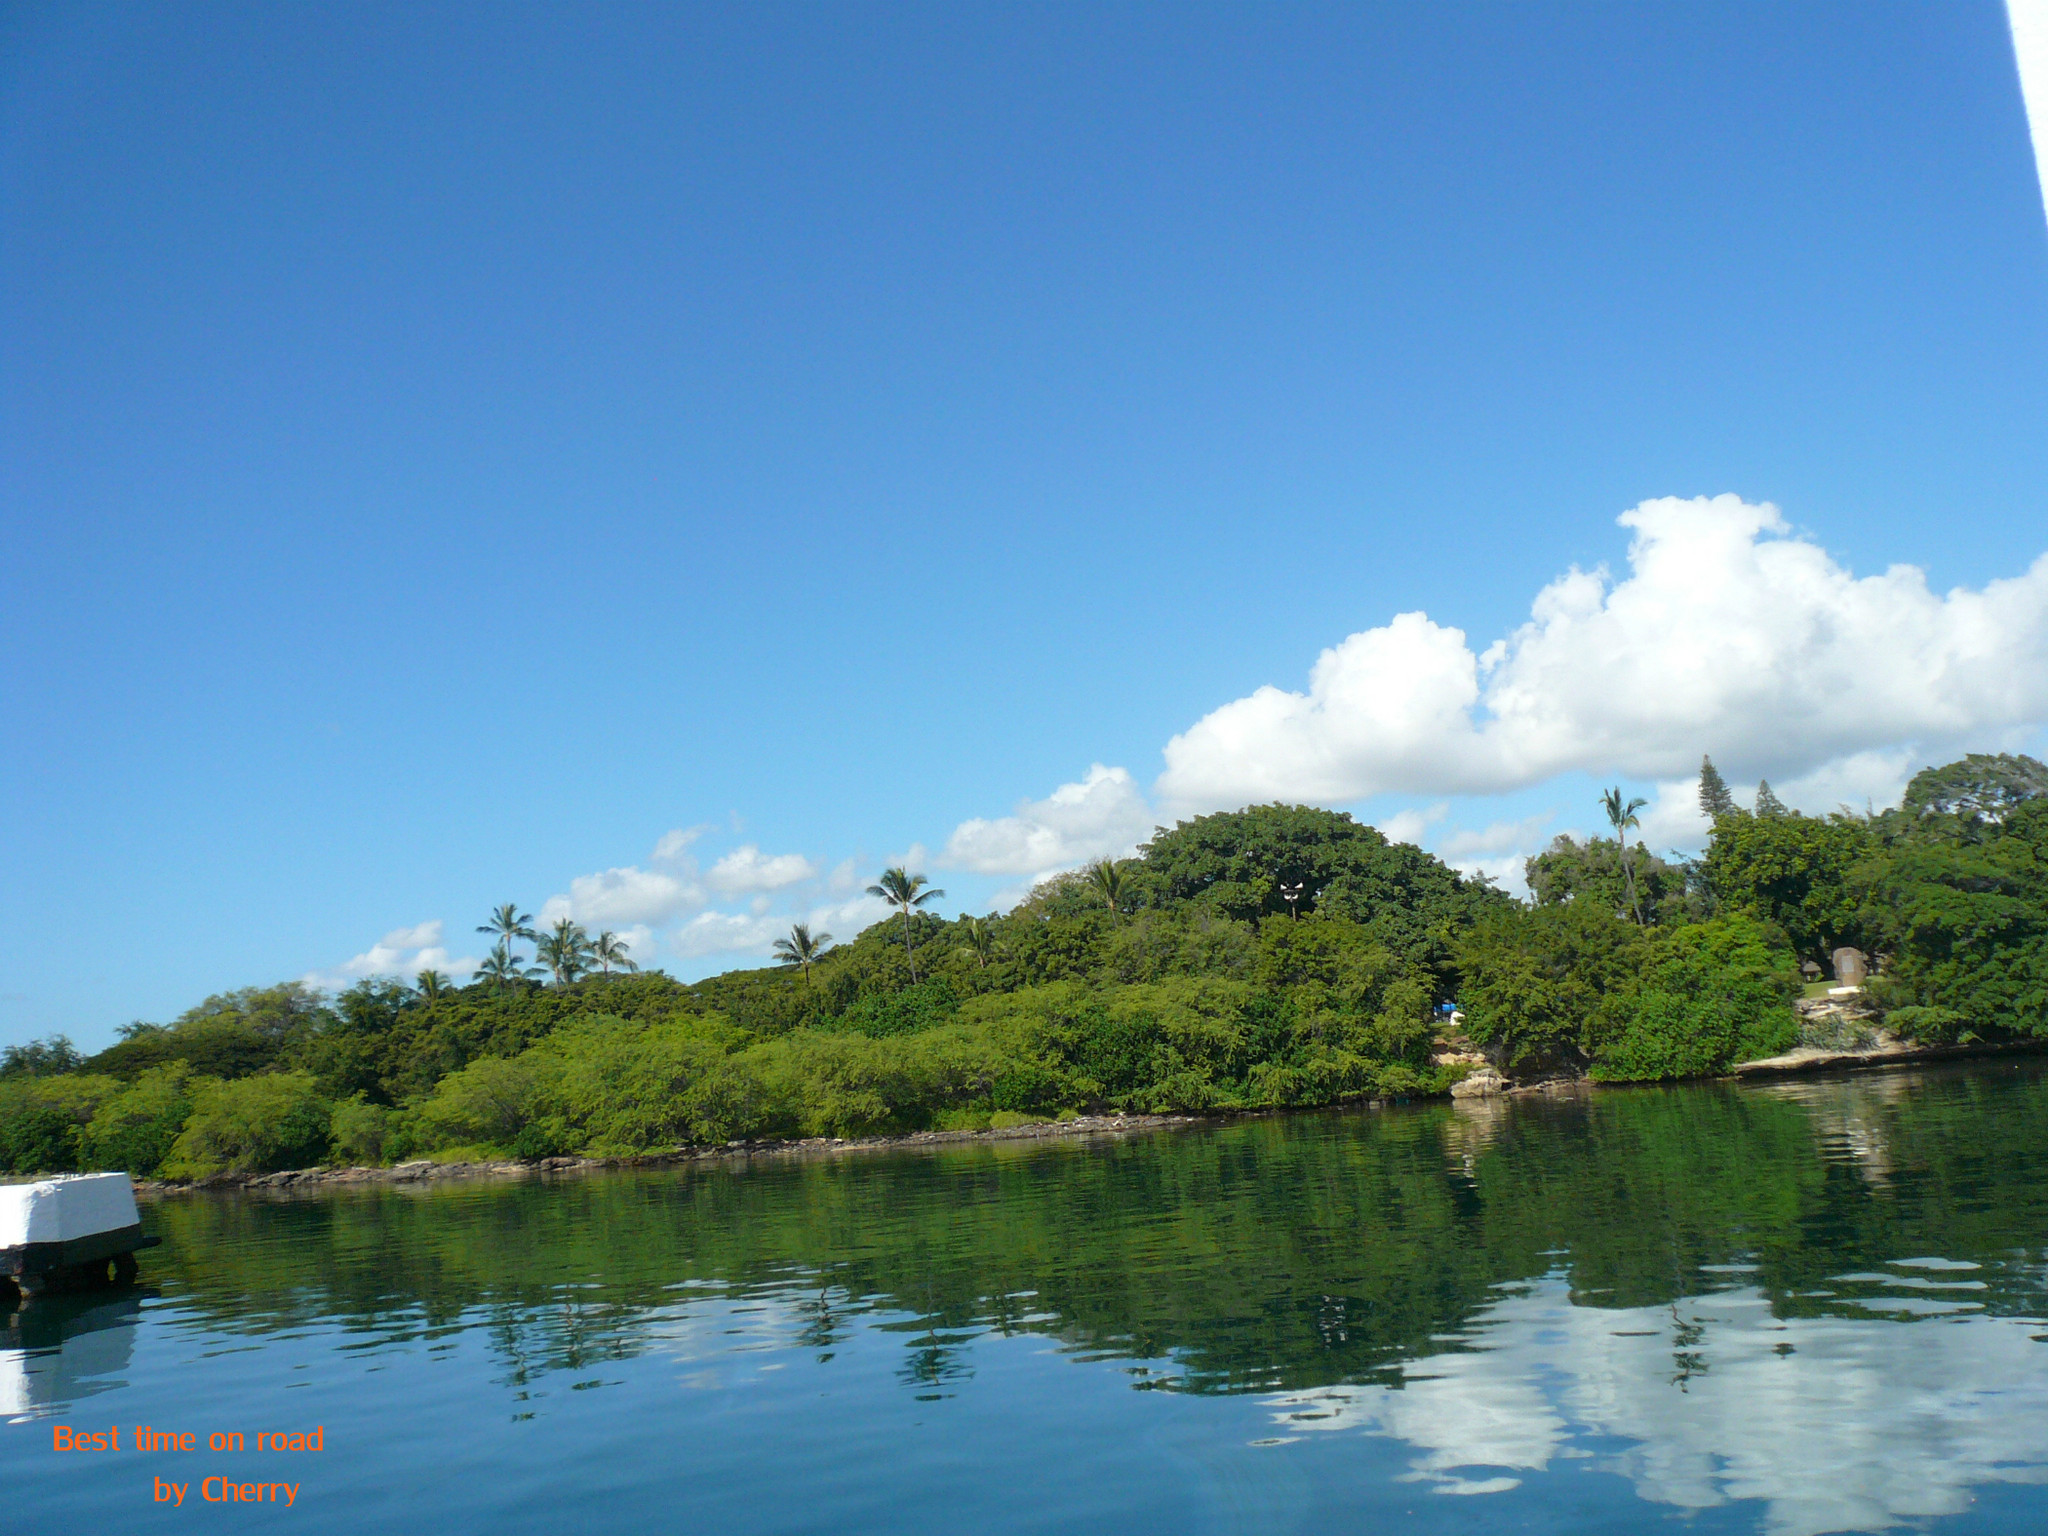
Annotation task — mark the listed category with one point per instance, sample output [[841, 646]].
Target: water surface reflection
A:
[[1800, 1309]]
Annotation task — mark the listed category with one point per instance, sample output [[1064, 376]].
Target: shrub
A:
[[628, 1088], [134, 1129], [1711, 994], [924, 1006], [37, 1137], [252, 1125], [360, 1131], [490, 1101], [1536, 980]]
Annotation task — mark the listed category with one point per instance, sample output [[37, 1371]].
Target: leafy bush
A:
[[256, 1124], [1710, 994], [490, 1101], [1965, 919], [620, 1087], [1536, 979], [360, 1131], [36, 1136], [135, 1129], [924, 1006]]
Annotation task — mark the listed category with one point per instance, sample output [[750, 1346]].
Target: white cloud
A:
[[1728, 636], [1673, 818], [1409, 826], [675, 845], [403, 952], [1499, 850], [745, 869], [1500, 837], [1878, 778], [718, 933], [754, 931], [916, 858], [639, 942], [615, 898], [1105, 813]]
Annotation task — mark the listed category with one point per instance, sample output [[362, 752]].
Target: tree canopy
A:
[[1178, 979]]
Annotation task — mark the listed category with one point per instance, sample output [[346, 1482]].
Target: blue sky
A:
[[668, 461]]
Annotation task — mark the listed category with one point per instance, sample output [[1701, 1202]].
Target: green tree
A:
[[1768, 804], [1111, 881], [1233, 864], [1968, 797], [907, 893], [1536, 980], [135, 1129], [1621, 815], [37, 1137], [609, 950], [1569, 870], [1964, 922], [501, 967], [565, 951], [802, 948], [509, 925], [981, 939], [41, 1058], [1792, 870], [431, 985], [1707, 995], [1715, 800], [261, 1124], [231, 1034]]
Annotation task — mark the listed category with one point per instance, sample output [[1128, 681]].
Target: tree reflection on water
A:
[[1715, 1291]]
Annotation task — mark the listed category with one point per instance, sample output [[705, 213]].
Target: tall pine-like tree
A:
[[1768, 804], [1715, 801]]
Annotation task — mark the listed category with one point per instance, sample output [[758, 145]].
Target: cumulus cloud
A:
[[1105, 813], [1500, 849], [619, 898], [718, 933], [403, 952], [1728, 635], [674, 846], [755, 930], [746, 869], [1410, 826]]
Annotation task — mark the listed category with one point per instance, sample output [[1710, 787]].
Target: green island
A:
[[1277, 956]]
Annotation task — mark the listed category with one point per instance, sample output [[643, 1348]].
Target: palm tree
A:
[[610, 950], [1621, 815], [981, 939], [906, 893], [565, 950], [802, 947], [501, 968], [431, 985], [509, 924], [1111, 882]]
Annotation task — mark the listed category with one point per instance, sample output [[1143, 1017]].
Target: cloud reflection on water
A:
[[1836, 1424]]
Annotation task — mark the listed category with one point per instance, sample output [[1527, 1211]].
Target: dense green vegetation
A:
[[1273, 956]]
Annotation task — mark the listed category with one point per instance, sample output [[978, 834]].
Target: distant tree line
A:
[[1278, 955]]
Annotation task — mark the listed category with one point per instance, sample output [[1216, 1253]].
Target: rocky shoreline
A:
[[1808, 1059], [426, 1171]]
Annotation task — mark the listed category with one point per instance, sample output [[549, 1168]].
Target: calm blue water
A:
[[1791, 1310]]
